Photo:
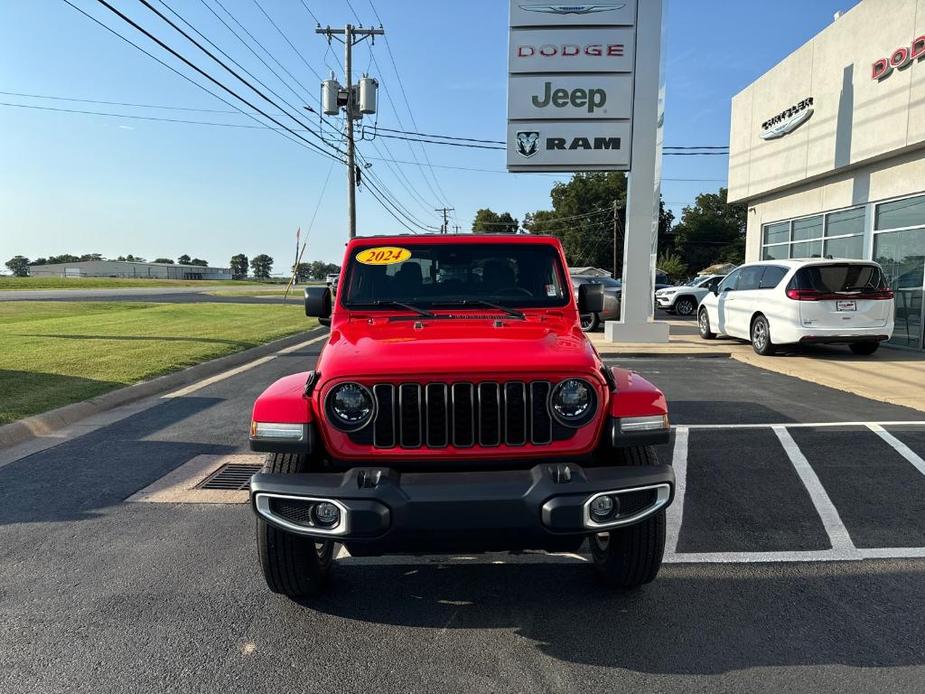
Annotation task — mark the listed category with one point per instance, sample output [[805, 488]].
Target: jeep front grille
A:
[[437, 415]]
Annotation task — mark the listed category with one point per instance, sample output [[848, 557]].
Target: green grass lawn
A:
[[56, 353], [10, 283]]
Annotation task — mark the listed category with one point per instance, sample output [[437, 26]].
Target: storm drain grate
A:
[[231, 476]]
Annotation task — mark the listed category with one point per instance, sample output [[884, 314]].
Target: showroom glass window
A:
[[899, 247], [837, 234]]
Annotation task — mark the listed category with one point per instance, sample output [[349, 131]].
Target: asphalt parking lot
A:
[[796, 563]]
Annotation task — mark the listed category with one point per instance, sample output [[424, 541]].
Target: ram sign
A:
[[571, 82]]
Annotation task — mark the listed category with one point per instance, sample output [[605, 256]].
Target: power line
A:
[[442, 137], [401, 86], [120, 103], [220, 62], [306, 144]]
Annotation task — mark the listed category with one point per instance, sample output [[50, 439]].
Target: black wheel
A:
[[629, 557], [293, 565], [589, 322], [864, 348], [685, 306], [703, 324], [761, 336]]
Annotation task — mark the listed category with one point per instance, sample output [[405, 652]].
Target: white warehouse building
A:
[[129, 269], [827, 149]]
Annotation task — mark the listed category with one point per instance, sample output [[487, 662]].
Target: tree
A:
[[239, 264], [199, 262], [18, 265], [164, 261], [487, 221], [91, 256], [63, 258], [261, 266], [672, 265], [711, 230], [583, 218], [183, 260], [39, 261]]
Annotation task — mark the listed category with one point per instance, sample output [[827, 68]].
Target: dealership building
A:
[[129, 269], [827, 150]]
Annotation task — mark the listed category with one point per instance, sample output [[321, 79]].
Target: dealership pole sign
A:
[[572, 77]]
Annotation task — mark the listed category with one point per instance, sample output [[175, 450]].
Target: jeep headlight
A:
[[572, 402], [350, 406]]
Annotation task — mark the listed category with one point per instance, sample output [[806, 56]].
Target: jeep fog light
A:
[[326, 515], [636, 424], [276, 432], [603, 508]]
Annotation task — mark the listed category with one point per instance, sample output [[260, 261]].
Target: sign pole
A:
[[643, 191]]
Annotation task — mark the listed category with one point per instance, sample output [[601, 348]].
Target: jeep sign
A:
[[552, 97], [548, 145], [571, 82]]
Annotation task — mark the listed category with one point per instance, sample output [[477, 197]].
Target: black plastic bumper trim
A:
[[624, 439], [443, 511]]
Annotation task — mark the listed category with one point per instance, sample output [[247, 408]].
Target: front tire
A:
[[685, 306], [703, 325], [864, 349], [626, 558], [293, 565], [761, 336], [589, 322]]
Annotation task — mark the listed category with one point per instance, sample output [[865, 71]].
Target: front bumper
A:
[[385, 511]]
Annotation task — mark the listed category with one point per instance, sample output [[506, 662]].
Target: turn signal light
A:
[[276, 432]]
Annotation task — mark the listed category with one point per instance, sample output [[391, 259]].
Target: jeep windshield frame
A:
[[468, 275]]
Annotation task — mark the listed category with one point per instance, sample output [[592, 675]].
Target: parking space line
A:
[[804, 425], [831, 521], [675, 513], [796, 556], [899, 446]]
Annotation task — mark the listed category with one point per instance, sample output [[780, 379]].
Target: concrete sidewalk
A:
[[890, 375]]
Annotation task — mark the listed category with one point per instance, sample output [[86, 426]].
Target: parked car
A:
[[453, 409], [613, 292], [779, 302], [684, 300]]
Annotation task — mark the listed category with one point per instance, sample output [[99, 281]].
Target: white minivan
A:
[[780, 302]]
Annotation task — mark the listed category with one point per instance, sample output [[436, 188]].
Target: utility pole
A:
[[445, 228], [355, 105]]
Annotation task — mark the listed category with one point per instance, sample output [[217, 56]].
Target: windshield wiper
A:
[[397, 304], [488, 304]]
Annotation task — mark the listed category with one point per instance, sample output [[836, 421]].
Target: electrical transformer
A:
[[330, 91], [369, 87]]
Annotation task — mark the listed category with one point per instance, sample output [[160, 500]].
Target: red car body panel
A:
[[479, 344], [636, 397], [284, 402]]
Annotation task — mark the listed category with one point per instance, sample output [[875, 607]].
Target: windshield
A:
[[840, 278], [429, 275], [603, 281]]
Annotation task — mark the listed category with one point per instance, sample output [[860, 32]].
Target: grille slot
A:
[[463, 409], [410, 430], [438, 415]]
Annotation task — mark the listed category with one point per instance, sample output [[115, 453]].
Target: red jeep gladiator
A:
[[458, 407]]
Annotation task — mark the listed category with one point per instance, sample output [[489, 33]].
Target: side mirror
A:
[[590, 298], [318, 302], [715, 290], [325, 321]]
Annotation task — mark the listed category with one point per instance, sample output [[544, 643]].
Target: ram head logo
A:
[[526, 142]]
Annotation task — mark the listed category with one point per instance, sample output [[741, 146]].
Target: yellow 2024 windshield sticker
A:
[[383, 255]]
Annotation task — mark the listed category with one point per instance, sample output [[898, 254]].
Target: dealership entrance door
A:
[[899, 246]]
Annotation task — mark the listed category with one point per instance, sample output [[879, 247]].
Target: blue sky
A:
[[80, 183]]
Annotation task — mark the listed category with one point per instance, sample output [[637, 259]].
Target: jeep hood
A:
[[458, 346]]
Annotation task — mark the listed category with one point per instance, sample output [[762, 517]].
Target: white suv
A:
[[684, 300], [778, 302]]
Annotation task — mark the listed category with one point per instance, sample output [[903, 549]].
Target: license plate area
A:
[[844, 305]]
